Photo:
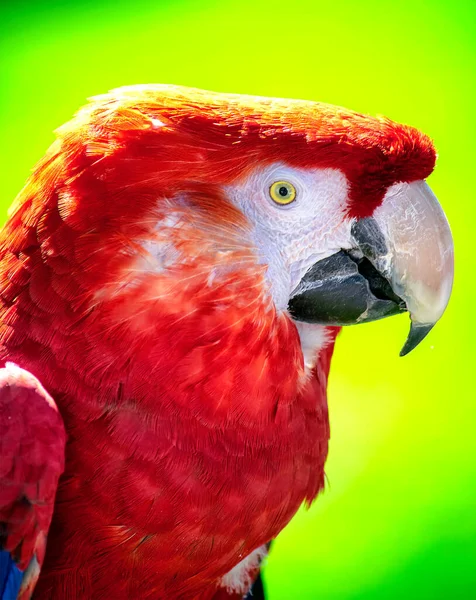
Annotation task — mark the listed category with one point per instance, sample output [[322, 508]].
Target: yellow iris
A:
[[282, 192]]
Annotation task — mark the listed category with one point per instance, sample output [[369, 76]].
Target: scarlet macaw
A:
[[172, 279]]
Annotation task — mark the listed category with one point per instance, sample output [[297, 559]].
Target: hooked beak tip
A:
[[416, 335]]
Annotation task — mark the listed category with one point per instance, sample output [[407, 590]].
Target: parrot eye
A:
[[282, 192]]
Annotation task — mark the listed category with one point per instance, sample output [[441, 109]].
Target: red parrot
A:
[[172, 279]]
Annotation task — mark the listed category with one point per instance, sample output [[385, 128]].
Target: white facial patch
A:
[[240, 579], [313, 338], [291, 238], [159, 252], [156, 123]]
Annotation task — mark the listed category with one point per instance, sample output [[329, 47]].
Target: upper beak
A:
[[400, 259]]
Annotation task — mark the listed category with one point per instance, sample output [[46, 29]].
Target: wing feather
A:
[[32, 443]]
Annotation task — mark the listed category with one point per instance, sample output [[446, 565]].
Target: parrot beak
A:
[[400, 259]]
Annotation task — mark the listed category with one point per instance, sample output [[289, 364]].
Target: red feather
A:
[[32, 441]]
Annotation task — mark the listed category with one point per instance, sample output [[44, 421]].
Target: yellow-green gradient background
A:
[[398, 518]]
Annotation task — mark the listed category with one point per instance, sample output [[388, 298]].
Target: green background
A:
[[398, 518]]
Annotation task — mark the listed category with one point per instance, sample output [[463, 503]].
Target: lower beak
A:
[[400, 259]]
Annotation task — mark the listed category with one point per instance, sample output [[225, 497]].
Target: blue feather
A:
[[10, 577]]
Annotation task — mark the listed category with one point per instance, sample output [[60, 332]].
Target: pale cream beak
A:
[[419, 257]]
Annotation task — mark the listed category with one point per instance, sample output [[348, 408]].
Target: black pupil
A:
[[283, 191]]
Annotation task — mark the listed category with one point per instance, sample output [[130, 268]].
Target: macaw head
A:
[[175, 204]]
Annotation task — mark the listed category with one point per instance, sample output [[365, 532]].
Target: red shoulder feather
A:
[[32, 443]]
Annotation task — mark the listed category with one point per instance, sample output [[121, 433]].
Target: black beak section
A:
[[344, 289], [416, 335]]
